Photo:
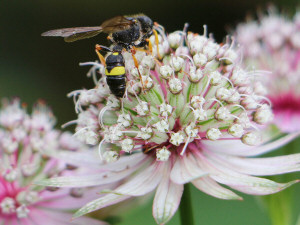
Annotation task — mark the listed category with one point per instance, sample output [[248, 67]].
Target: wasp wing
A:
[[112, 25], [74, 33], [117, 23]]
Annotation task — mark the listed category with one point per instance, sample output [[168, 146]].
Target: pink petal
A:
[[211, 187], [167, 199], [87, 221], [68, 202], [10, 221], [47, 217], [41, 217], [25, 221], [287, 121], [186, 169]]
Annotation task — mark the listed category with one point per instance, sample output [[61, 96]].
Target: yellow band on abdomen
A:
[[118, 70]]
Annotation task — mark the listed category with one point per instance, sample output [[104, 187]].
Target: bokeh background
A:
[[34, 67]]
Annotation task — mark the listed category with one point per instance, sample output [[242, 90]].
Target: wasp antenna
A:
[[101, 58], [103, 48]]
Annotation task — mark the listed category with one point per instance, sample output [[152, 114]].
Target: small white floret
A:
[[7, 205], [145, 133], [163, 154], [215, 78], [200, 59], [213, 134], [127, 145], [142, 108], [174, 39], [175, 85], [162, 126], [177, 139], [177, 63], [200, 115], [197, 101], [22, 211], [251, 138], [191, 131], [166, 71], [263, 115], [236, 130], [148, 62], [124, 120], [165, 109], [111, 156], [223, 113]]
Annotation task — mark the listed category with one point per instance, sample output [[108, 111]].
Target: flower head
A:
[[27, 143], [273, 44], [197, 123]]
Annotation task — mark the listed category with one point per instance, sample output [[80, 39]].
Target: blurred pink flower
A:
[[26, 141], [273, 43], [195, 117]]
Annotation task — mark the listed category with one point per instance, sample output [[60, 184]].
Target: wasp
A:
[[124, 32]]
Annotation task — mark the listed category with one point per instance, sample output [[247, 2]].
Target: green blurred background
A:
[[33, 67]]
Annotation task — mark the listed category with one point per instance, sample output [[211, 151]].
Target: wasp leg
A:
[[157, 44], [150, 46], [133, 51]]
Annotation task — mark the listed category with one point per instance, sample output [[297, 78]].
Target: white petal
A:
[[81, 159], [99, 203], [125, 162], [241, 182], [101, 178], [258, 166], [272, 145], [167, 199], [144, 182], [236, 147], [186, 169], [211, 187]]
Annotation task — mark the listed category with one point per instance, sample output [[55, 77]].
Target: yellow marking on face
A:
[[116, 71], [116, 53]]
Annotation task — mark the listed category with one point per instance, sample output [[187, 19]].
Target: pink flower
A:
[[26, 142], [191, 113], [273, 43]]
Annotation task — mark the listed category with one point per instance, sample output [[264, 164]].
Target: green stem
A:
[[186, 209]]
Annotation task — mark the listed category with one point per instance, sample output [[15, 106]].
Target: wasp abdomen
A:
[[117, 85], [116, 74]]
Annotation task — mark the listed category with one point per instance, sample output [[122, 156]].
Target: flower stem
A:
[[186, 209]]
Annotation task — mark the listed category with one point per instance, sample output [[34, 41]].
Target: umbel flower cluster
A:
[[273, 43], [190, 113], [26, 141]]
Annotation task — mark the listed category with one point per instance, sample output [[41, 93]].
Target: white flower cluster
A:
[[27, 143], [186, 87]]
